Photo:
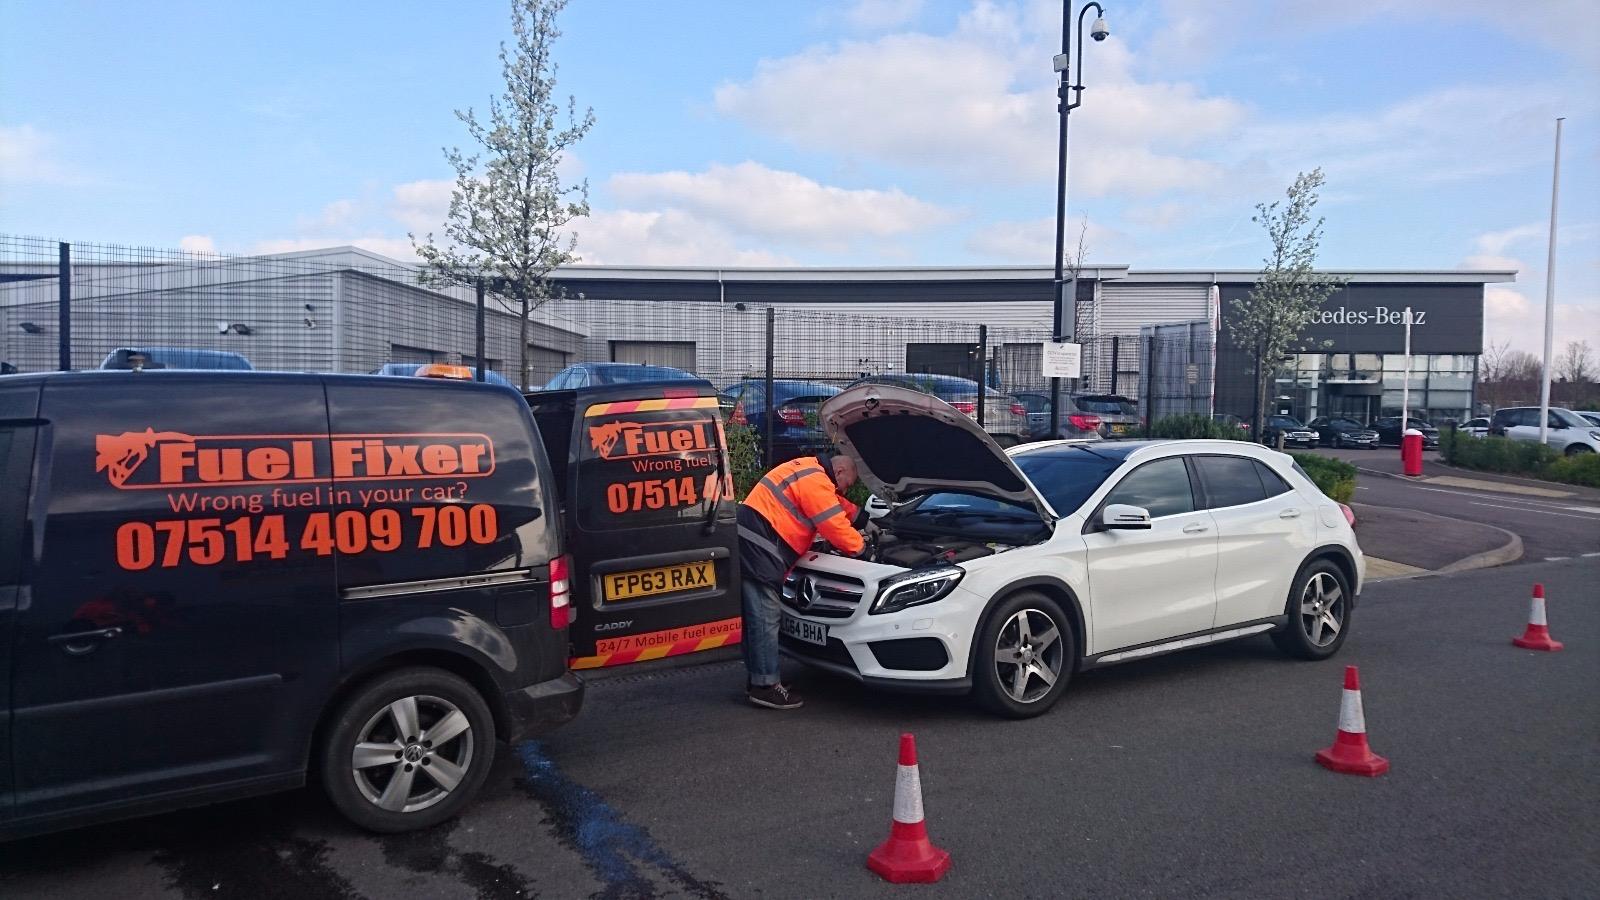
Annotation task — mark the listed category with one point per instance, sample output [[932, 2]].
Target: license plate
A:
[[810, 632], [695, 576], [1119, 429]]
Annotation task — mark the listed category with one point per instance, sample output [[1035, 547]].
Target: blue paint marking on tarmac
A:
[[611, 847]]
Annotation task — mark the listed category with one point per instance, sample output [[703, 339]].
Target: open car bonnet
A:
[[906, 443]]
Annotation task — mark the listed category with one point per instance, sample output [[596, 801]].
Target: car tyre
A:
[[1578, 449], [1032, 630], [1319, 603], [437, 777]]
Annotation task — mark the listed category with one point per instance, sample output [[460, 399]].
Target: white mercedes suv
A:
[[1001, 573]]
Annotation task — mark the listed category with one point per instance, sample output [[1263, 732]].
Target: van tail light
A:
[[1084, 422], [1017, 409], [560, 592], [791, 416], [679, 393], [970, 409], [738, 414]]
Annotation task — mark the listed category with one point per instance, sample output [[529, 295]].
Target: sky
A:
[[855, 132]]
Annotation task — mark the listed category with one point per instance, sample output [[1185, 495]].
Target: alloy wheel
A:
[[420, 735], [1322, 609], [1028, 655]]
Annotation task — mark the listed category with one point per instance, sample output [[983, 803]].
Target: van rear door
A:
[[650, 516]]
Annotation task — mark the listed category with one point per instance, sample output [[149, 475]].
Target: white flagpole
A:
[[1405, 382], [1550, 297]]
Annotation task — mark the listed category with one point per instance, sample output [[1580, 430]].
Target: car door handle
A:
[[80, 642], [1289, 514], [1195, 528]]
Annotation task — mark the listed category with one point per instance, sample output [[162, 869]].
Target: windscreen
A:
[[650, 462], [1065, 477]]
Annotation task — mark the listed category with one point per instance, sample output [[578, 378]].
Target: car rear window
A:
[[1229, 480], [1110, 406], [630, 374], [642, 467]]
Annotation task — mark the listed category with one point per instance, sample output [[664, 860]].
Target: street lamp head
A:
[[1100, 30]]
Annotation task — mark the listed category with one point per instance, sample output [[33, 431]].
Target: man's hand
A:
[[871, 530]]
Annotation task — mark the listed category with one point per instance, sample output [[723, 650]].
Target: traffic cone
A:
[[1537, 637], [908, 856], [1350, 753]]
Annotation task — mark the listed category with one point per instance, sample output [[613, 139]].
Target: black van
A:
[[647, 504], [215, 584]]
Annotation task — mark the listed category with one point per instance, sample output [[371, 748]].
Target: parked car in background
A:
[[1334, 431], [411, 370], [1119, 416], [1388, 429], [1476, 427], [796, 431], [1567, 432], [1295, 433], [1591, 415], [1004, 417], [183, 358], [594, 374], [1231, 419], [1076, 423]]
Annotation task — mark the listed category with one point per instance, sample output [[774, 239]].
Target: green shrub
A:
[[1333, 477], [1195, 425], [1498, 454], [1581, 468], [744, 458]]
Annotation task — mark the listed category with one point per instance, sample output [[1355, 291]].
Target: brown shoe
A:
[[774, 696]]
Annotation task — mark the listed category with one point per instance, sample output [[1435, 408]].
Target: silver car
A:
[[1004, 417]]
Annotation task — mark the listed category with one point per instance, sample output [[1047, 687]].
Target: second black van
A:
[[217, 585]]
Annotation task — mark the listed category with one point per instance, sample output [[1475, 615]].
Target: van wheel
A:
[[1025, 656], [408, 750]]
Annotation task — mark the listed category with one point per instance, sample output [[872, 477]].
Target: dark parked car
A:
[[595, 374], [1075, 422], [410, 370], [175, 358], [1388, 429], [214, 585], [1004, 417], [1295, 433], [1340, 432], [796, 430]]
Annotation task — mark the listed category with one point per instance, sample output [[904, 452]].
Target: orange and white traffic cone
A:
[[908, 856], [1537, 637], [1350, 753]]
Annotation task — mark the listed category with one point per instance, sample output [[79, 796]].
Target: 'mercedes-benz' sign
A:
[[1381, 315]]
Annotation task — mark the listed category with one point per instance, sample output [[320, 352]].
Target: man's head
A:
[[844, 472]]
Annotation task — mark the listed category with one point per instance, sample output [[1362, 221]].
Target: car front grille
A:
[[833, 597]]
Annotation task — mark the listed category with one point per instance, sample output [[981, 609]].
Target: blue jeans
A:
[[760, 638]]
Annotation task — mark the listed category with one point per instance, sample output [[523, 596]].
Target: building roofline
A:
[[1097, 272]]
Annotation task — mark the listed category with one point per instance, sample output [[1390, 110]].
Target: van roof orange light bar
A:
[[440, 370]]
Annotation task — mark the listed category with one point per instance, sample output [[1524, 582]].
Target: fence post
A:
[[1115, 362], [483, 365], [64, 313], [1150, 386], [772, 314], [983, 369]]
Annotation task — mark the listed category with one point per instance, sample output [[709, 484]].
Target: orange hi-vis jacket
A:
[[798, 501]]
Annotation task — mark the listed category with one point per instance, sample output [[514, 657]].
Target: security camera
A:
[[1100, 30], [310, 322]]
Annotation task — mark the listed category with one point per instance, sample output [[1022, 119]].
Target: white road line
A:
[[1542, 512], [1591, 554], [1556, 558], [1539, 505]]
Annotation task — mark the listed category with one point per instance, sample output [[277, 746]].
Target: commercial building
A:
[[348, 310]]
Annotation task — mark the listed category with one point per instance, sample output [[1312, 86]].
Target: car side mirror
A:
[[1123, 517]]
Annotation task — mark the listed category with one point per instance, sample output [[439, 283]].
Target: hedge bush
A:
[[1195, 425], [744, 458], [1498, 454], [1333, 477]]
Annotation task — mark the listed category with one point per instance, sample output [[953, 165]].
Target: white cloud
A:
[[1509, 315], [664, 238], [421, 206], [1034, 241], [30, 156], [980, 101], [875, 15], [756, 200], [197, 243]]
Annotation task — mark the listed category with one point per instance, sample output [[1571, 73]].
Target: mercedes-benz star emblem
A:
[[805, 593]]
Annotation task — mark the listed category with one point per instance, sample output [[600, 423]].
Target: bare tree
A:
[[1269, 321], [509, 209], [1520, 365], [1576, 363], [1493, 362]]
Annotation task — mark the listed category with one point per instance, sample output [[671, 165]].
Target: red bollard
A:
[[1411, 452]]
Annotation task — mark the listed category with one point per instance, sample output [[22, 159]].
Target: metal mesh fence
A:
[[345, 310]]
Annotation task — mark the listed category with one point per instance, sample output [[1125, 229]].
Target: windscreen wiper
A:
[[710, 524], [1091, 452]]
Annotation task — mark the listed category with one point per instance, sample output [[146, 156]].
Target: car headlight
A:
[[915, 588]]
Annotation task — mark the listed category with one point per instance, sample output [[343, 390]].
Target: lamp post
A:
[[1064, 323]]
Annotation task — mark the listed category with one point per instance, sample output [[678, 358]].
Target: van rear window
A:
[[650, 462]]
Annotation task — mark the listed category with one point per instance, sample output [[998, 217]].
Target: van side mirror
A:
[[1122, 517]]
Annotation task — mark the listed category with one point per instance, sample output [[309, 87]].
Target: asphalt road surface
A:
[[1189, 775], [1549, 527]]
